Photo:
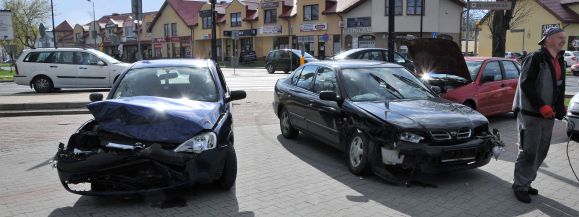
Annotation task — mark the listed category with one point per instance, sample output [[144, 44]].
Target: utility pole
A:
[[213, 32], [93, 24], [391, 12], [53, 27], [467, 26]]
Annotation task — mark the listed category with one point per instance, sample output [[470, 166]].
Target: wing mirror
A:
[[328, 96], [236, 95], [101, 63], [94, 97], [436, 89]]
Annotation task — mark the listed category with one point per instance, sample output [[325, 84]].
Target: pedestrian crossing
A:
[[265, 83]]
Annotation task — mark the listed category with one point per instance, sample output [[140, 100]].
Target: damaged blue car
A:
[[165, 124]]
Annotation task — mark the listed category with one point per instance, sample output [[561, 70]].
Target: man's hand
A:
[[547, 112]]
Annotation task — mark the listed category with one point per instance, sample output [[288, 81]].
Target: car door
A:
[[66, 70], [322, 116], [284, 61], [375, 55], [491, 87], [511, 78], [299, 97], [90, 73]]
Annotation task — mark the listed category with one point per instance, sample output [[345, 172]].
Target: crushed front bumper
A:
[[431, 158], [151, 169]]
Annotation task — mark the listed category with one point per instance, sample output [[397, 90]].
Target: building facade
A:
[[542, 15]]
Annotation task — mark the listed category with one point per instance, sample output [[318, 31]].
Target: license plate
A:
[[458, 155]]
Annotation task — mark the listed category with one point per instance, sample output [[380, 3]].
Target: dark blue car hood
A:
[[155, 119], [433, 113]]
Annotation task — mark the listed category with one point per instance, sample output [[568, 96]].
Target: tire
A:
[[470, 105], [356, 156], [42, 84], [287, 130], [270, 69], [229, 175]]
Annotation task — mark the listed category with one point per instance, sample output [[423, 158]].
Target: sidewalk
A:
[[45, 104]]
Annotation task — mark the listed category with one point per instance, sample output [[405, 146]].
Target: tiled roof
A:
[[63, 27], [187, 10], [564, 2], [288, 8], [559, 10]]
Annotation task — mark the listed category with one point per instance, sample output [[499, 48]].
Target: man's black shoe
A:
[[533, 191], [523, 196]]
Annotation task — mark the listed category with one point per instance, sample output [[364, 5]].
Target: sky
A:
[[80, 11]]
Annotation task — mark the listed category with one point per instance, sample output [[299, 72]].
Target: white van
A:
[[47, 69]]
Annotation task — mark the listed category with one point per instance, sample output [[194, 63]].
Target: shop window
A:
[[173, 29], [206, 22], [311, 12], [397, 7], [166, 29]]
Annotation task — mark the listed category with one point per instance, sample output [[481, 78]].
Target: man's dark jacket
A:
[[538, 86]]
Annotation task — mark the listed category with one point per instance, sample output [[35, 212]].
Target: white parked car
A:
[[48, 69], [571, 57], [573, 117]]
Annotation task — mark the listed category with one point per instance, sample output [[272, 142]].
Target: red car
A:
[[486, 84]]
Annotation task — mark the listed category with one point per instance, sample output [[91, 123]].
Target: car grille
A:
[[444, 135]]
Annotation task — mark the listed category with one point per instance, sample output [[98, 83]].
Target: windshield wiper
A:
[[387, 86]]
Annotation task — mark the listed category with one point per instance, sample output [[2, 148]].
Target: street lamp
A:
[[93, 24], [213, 32], [53, 27]]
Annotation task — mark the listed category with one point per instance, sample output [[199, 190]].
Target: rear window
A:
[[37, 57]]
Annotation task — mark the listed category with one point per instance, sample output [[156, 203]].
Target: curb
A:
[[43, 112], [6, 81], [43, 106]]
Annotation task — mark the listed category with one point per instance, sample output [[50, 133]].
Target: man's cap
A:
[[549, 32]]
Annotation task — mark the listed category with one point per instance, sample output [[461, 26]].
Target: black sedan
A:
[[381, 114], [375, 54], [166, 124]]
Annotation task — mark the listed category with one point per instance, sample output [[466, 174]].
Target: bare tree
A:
[[27, 15], [499, 22]]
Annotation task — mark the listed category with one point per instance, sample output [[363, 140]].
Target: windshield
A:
[[299, 53], [473, 68], [170, 82], [344, 54], [106, 57], [376, 84]]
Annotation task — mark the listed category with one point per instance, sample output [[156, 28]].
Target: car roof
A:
[[172, 63], [354, 64], [58, 49], [485, 58]]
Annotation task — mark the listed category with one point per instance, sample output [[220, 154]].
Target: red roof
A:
[[564, 2], [559, 10], [187, 10], [63, 27]]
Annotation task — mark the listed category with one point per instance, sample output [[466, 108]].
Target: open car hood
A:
[[438, 57], [155, 119]]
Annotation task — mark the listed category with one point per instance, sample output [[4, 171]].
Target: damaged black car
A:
[[382, 116], [165, 124]]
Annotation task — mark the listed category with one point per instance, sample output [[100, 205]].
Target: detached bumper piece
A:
[[95, 165]]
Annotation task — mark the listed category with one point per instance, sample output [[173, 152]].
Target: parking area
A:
[[280, 177]]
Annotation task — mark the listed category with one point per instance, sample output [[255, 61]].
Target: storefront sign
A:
[[174, 39], [275, 29], [158, 40], [111, 26], [358, 30], [308, 27], [269, 5], [242, 33]]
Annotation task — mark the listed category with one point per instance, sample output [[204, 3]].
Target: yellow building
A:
[[541, 15], [64, 35], [172, 29], [80, 33]]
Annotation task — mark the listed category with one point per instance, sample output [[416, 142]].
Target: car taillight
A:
[[16, 68]]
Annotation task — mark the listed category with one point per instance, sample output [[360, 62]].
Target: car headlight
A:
[[202, 142], [410, 137]]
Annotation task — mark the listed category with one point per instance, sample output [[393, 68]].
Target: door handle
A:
[[53, 66], [82, 68]]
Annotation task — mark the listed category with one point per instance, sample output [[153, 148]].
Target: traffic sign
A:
[[502, 5]]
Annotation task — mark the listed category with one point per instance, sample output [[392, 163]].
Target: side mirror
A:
[[94, 97], [101, 63], [328, 96], [236, 95], [436, 89]]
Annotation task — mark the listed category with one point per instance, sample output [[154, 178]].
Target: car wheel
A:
[[227, 179], [357, 156], [42, 84], [287, 130], [270, 69]]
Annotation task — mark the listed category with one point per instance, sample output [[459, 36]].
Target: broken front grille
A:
[[443, 135]]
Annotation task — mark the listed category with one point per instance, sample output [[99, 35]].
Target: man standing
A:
[[538, 101]]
